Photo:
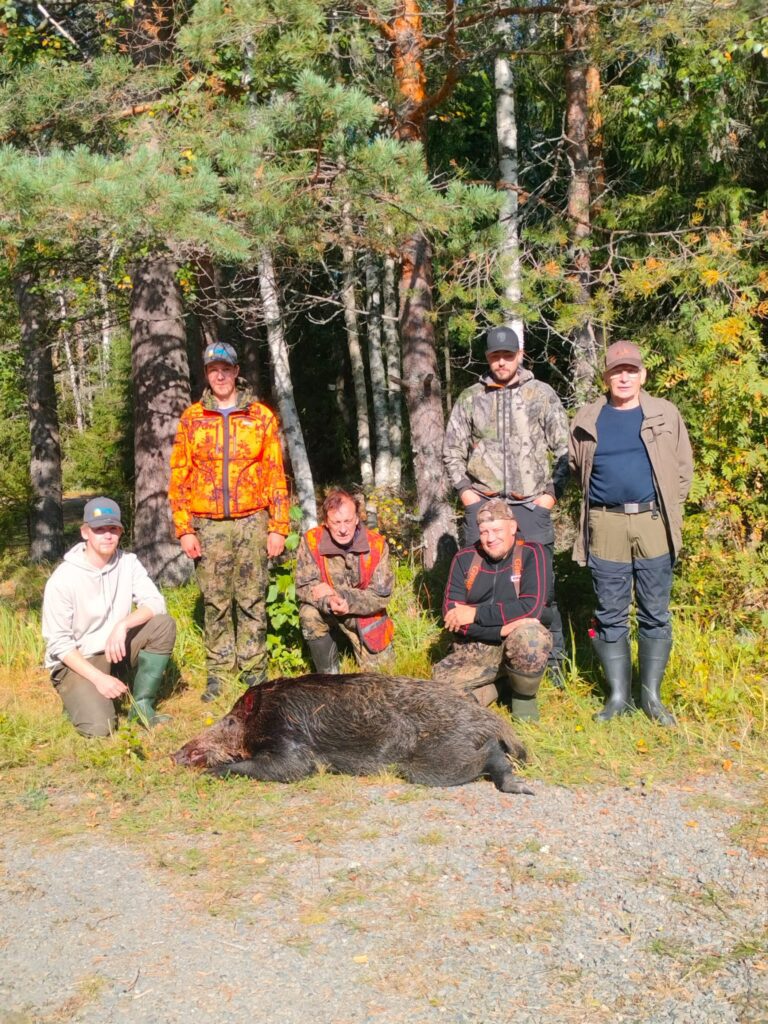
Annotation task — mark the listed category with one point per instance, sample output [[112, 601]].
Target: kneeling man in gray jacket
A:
[[102, 615]]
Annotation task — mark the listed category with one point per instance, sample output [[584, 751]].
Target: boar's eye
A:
[[229, 722]]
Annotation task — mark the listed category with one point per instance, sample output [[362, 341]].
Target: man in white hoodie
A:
[[101, 614]]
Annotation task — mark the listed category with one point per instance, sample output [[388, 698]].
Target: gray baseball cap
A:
[[502, 339], [102, 512]]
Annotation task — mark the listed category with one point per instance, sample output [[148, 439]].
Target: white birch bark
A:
[[378, 375], [349, 302], [289, 414], [506, 138], [106, 329], [71, 369], [394, 373]]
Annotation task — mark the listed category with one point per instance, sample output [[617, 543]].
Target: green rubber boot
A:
[[325, 654], [616, 660], [147, 679], [653, 653]]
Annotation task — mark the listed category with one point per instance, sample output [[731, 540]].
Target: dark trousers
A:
[[627, 550], [534, 524]]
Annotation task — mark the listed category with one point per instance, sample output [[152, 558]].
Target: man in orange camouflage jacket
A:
[[229, 501]]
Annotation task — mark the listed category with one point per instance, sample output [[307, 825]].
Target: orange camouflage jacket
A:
[[227, 467]]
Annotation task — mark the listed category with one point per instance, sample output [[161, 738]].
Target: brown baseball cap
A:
[[623, 353], [496, 508]]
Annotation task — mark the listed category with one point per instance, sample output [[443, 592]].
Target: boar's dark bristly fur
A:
[[359, 724]]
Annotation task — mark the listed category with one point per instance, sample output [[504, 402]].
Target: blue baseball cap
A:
[[220, 352]]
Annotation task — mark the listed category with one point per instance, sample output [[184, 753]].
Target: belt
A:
[[630, 509]]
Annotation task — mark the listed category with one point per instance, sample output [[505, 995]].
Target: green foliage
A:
[[284, 635], [100, 458]]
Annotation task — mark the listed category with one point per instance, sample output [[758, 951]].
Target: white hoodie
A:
[[82, 603]]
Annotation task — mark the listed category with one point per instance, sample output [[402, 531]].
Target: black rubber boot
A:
[[325, 654], [654, 653], [616, 660], [150, 668], [212, 690]]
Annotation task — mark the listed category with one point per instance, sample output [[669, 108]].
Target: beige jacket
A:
[[666, 440]]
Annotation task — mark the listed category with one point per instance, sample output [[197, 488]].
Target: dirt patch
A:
[[404, 904]]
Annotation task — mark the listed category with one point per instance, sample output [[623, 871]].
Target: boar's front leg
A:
[[287, 763]]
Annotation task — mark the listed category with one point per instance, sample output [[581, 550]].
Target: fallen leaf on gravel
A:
[[360, 959], [692, 824], [727, 765]]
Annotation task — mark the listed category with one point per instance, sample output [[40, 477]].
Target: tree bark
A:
[[394, 373], [289, 414], [349, 302], [422, 396], [584, 357], [160, 375], [506, 140], [422, 393], [46, 522], [72, 370], [378, 375]]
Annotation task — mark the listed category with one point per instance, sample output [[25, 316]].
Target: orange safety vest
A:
[[375, 631]]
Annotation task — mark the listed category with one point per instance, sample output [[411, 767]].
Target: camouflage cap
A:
[[623, 353], [496, 508], [219, 352]]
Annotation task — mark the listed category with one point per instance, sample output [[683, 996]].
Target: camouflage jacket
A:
[[226, 467], [510, 440], [343, 569]]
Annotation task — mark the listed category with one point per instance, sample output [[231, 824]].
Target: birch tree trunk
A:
[[349, 302], [106, 329], [506, 139], [289, 415], [394, 374], [160, 375], [584, 358], [71, 369], [46, 523], [378, 375]]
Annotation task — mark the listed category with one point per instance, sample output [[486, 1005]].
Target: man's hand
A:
[[190, 545], [470, 497], [321, 590], [338, 605], [544, 501], [109, 686], [460, 615], [114, 648], [510, 627], [275, 545]]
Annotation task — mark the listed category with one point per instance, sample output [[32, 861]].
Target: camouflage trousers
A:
[[315, 624], [488, 670], [232, 575]]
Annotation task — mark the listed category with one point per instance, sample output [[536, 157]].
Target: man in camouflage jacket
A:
[[230, 505], [508, 437], [343, 584]]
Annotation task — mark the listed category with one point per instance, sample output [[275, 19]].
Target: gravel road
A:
[[460, 905]]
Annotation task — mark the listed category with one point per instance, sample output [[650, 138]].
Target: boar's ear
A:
[[248, 704]]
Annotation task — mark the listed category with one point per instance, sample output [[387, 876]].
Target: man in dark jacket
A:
[[633, 458], [497, 592], [508, 437]]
